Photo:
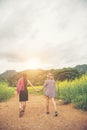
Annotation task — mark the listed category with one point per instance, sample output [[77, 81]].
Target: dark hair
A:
[[25, 79]]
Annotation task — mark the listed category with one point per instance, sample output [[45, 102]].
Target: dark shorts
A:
[[23, 96]]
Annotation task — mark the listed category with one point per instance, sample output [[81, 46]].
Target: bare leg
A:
[[21, 109], [47, 103], [24, 106], [21, 105], [55, 108], [54, 103]]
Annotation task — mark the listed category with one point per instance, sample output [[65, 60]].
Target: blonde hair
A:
[[50, 76]]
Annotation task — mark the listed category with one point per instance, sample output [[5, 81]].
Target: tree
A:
[[67, 74]]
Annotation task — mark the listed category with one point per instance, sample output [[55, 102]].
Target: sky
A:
[[47, 34]]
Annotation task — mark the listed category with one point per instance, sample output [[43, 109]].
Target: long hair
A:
[[25, 79]]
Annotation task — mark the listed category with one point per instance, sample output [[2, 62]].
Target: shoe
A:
[[56, 113], [47, 113], [21, 113]]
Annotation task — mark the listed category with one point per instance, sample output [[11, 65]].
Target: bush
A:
[[74, 92], [5, 92]]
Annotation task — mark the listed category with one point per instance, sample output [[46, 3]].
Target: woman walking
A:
[[50, 93], [22, 91]]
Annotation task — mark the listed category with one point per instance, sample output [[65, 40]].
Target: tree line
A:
[[37, 77]]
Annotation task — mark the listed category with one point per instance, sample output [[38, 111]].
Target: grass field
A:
[[32, 91]]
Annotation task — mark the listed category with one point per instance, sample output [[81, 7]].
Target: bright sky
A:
[[42, 34]]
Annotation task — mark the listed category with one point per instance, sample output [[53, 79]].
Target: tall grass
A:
[[74, 92], [5, 91]]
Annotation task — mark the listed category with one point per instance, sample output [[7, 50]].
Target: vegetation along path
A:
[[35, 117]]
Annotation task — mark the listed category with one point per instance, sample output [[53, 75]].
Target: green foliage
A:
[[31, 90], [38, 76], [5, 91], [81, 101], [82, 69], [66, 74], [74, 91], [7, 75]]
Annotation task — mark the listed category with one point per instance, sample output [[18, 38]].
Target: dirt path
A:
[[35, 117]]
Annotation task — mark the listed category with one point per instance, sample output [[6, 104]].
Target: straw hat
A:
[[50, 76]]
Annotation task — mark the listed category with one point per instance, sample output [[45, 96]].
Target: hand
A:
[[38, 90]]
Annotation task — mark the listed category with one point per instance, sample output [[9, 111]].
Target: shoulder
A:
[[20, 78], [53, 80], [46, 80]]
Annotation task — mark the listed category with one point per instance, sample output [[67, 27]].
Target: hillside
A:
[[37, 77], [7, 74]]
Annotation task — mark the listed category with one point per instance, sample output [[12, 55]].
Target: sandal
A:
[[47, 113], [56, 113]]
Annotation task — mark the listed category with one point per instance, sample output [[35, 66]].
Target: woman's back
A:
[[50, 87]]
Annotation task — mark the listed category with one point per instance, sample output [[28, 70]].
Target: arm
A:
[[30, 84], [17, 92], [40, 89], [44, 86]]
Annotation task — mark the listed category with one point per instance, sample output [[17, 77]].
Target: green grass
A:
[[5, 92], [74, 92], [31, 90]]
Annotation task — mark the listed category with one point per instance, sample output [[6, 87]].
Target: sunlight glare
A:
[[33, 64]]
